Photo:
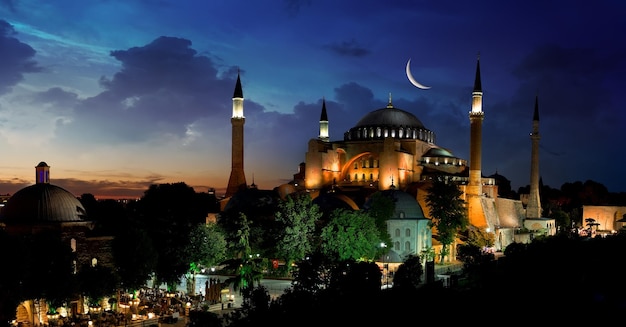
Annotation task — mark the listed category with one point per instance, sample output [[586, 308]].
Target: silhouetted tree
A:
[[408, 276]]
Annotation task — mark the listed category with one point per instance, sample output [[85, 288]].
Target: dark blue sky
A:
[[117, 95]]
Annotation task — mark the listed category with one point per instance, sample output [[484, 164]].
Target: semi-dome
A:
[[389, 122], [43, 203]]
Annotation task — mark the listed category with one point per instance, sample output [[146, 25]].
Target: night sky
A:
[[118, 95]]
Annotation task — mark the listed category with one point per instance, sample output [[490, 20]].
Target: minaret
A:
[[533, 208], [237, 178], [324, 123], [474, 188]]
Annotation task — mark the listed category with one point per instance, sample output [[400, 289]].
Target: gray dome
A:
[[391, 117], [42, 203], [389, 122], [407, 206]]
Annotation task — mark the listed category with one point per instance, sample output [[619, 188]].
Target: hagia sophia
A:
[[390, 150]]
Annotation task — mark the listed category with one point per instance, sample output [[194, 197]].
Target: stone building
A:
[[47, 208]]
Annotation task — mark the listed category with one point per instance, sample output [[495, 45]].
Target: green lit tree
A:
[[298, 216], [381, 208], [350, 235], [448, 212], [207, 248], [246, 266]]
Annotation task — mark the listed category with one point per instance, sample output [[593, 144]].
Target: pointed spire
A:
[[238, 90], [324, 116], [536, 114], [389, 105], [477, 84]]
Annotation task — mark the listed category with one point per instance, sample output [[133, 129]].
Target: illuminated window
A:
[[94, 262], [73, 244]]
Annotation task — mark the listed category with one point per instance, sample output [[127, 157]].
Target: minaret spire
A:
[[237, 178], [474, 187], [324, 122], [533, 208]]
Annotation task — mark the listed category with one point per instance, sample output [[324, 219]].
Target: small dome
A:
[[406, 206], [41, 203]]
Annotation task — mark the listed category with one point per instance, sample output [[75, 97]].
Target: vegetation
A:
[[449, 216], [350, 235], [296, 237]]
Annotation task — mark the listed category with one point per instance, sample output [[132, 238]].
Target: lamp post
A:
[[384, 247]]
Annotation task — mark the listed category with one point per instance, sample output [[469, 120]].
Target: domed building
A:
[[47, 208], [387, 146]]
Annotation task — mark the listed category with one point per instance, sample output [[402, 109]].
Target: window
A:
[[407, 246], [397, 233], [407, 232], [94, 262], [73, 244]]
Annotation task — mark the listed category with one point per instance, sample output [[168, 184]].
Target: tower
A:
[[474, 188], [324, 123], [237, 178], [42, 173], [533, 208]]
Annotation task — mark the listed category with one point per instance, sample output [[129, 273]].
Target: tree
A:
[[408, 276], [298, 215], [169, 212], [133, 269], [207, 248], [381, 208], [350, 235], [96, 282], [448, 212], [246, 266]]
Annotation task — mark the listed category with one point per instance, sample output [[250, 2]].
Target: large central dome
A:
[[392, 117], [389, 122]]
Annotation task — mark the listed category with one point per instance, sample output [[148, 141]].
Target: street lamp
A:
[[384, 247]]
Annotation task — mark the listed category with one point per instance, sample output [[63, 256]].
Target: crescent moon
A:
[[412, 80]]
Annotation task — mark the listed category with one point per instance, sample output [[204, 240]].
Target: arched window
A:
[[401, 214], [396, 246], [73, 244], [397, 232], [407, 246], [94, 262], [407, 232]]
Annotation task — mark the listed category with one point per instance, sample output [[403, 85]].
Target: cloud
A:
[[348, 49], [16, 58]]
